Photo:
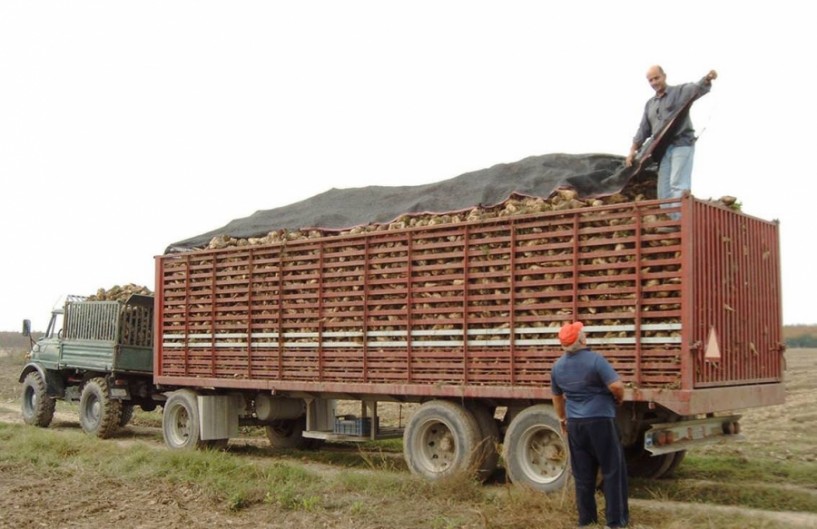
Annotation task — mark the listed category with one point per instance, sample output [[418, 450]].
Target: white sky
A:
[[126, 126]]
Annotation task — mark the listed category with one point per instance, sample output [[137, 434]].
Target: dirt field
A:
[[63, 499], [787, 431]]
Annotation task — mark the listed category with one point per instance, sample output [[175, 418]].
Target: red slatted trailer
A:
[[463, 317]]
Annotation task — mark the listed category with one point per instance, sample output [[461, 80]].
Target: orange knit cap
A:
[[569, 333]]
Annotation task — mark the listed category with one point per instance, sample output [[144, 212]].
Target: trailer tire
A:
[[37, 406], [442, 439], [489, 439], [288, 434], [99, 414], [181, 425], [642, 464], [535, 451], [676, 461]]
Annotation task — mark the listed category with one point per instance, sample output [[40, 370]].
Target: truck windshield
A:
[[55, 325]]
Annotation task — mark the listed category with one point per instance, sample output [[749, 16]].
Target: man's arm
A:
[[699, 89], [617, 389], [644, 131], [561, 412]]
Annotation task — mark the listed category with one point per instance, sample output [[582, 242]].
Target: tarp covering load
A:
[[591, 175]]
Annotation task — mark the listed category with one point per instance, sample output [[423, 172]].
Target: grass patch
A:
[[756, 496], [290, 484], [758, 483], [10, 366], [347, 455], [744, 469], [147, 419], [393, 445]]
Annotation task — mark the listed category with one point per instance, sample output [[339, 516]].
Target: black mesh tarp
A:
[[592, 175]]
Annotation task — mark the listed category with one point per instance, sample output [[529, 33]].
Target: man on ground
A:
[[586, 390]]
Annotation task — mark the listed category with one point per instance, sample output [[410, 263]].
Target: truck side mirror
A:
[[26, 327]]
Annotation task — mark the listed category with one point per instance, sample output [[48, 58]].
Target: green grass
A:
[[315, 486], [759, 483], [743, 469], [756, 496]]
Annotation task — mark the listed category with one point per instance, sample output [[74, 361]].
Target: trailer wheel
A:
[[679, 457], [642, 464], [288, 434], [37, 406], [536, 454], [127, 415], [441, 439], [180, 421], [99, 414], [488, 439]]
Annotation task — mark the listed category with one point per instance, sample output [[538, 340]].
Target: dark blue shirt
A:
[[582, 377]]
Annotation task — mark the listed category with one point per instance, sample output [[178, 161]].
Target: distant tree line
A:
[[800, 336], [15, 340], [802, 342]]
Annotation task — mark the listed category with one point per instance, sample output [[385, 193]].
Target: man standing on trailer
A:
[[586, 390], [675, 167]]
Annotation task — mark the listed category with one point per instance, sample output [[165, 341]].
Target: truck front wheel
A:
[[442, 439], [99, 414], [536, 453], [37, 407]]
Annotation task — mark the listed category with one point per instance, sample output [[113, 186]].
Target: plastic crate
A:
[[351, 425]]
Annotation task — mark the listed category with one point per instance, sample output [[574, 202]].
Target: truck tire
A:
[[99, 414], [489, 439], [127, 415], [288, 434], [535, 451], [442, 439], [180, 421], [37, 406]]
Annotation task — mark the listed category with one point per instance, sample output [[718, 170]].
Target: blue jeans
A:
[[675, 172], [594, 443]]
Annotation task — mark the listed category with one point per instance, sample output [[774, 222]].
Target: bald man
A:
[[675, 166]]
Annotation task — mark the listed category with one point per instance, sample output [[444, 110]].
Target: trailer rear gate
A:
[[473, 308]]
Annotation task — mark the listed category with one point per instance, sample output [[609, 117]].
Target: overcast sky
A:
[[126, 126]]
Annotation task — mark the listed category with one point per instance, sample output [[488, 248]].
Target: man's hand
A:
[[631, 157], [712, 75]]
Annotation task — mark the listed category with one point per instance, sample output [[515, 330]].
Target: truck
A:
[[97, 353], [459, 318]]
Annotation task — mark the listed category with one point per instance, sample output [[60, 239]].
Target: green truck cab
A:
[[99, 353]]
